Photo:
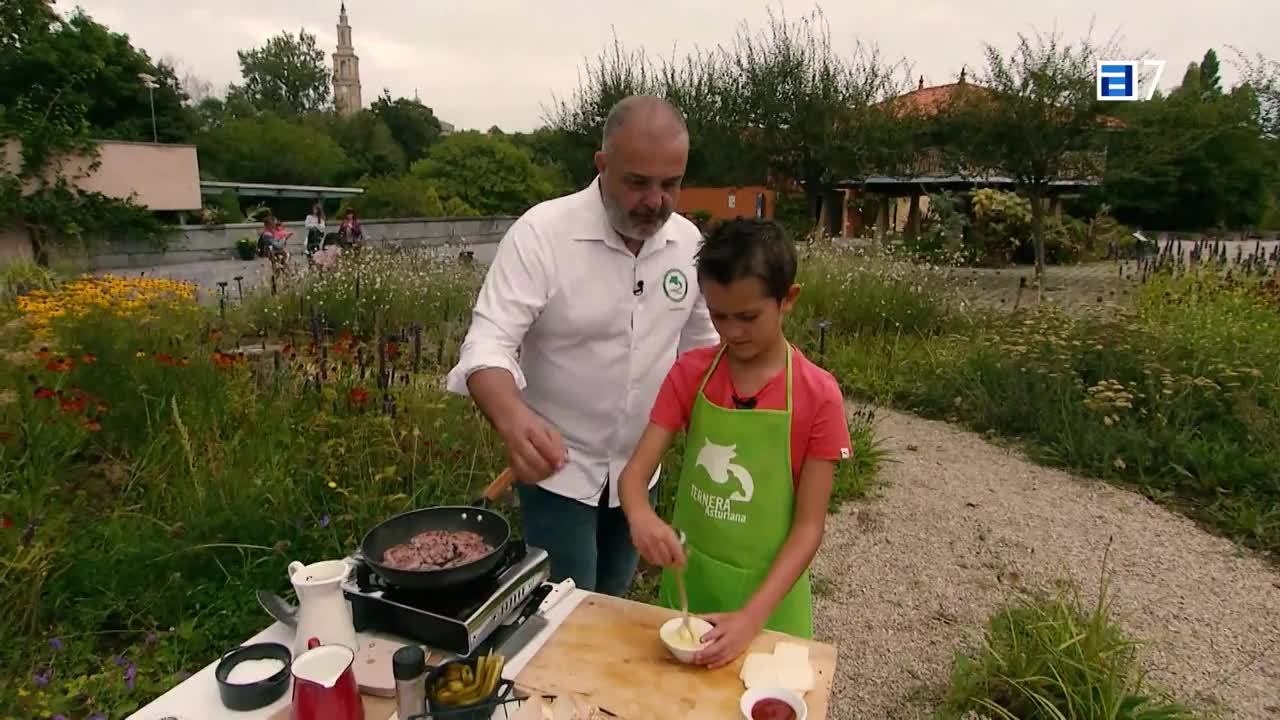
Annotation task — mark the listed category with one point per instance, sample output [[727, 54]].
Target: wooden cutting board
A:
[[608, 650]]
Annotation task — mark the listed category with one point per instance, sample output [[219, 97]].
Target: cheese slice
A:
[[788, 653], [760, 670], [789, 668], [796, 676]]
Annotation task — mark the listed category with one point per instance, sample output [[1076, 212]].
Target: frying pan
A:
[[477, 518]]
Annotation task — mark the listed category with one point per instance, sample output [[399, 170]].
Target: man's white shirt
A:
[[597, 329]]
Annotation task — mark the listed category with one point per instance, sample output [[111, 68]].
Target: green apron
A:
[[735, 504]]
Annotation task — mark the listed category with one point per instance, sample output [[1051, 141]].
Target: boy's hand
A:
[[656, 541], [732, 635]]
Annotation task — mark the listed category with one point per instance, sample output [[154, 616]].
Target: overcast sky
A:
[[499, 62]]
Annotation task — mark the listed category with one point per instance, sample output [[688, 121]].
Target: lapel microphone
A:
[[743, 403]]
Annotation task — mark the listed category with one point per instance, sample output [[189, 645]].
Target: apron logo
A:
[[717, 460], [675, 285]]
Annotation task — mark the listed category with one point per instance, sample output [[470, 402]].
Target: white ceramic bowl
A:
[[790, 697], [671, 627]]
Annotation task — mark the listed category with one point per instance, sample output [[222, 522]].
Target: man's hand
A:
[[655, 540], [732, 635], [534, 448]]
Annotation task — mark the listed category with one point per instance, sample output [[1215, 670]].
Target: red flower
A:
[[88, 359], [92, 425], [43, 354], [6, 522], [393, 350], [359, 396], [44, 393], [59, 365], [164, 358], [72, 404]]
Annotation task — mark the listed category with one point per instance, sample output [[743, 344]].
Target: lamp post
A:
[[150, 82]]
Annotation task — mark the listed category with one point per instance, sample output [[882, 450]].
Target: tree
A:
[[579, 120], [817, 117], [80, 63], [57, 91], [1191, 80], [457, 207], [707, 92], [549, 149], [287, 76], [23, 22], [1210, 73], [1193, 160], [1262, 76], [367, 141], [414, 126], [486, 172], [1036, 120], [397, 197], [270, 149]]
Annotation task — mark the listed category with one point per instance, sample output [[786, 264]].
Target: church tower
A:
[[346, 70]]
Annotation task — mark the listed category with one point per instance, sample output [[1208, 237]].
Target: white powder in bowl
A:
[[251, 671]]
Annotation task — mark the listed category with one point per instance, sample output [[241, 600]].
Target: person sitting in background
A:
[[279, 241], [314, 225], [265, 236], [350, 232]]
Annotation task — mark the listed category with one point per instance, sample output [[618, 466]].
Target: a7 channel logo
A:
[[1117, 80]]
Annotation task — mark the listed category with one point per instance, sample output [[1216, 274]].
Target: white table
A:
[[196, 698]]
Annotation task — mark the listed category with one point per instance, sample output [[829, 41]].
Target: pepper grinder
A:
[[409, 667]]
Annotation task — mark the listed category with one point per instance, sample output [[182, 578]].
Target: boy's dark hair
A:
[[743, 248]]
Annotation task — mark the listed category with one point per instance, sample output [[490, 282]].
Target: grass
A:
[[157, 467], [1057, 658], [1179, 398]]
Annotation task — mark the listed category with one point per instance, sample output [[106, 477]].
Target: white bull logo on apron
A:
[[718, 462]]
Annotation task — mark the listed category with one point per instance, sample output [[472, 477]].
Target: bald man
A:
[[581, 315]]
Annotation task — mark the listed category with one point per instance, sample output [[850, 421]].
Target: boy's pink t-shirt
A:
[[819, 428]]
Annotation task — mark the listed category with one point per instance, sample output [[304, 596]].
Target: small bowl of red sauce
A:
[[773, 704]]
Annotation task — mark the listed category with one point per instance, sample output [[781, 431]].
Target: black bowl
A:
[[254, 695]]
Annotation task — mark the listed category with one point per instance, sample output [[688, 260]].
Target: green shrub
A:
[[22, 276], [1179, 398], [1001, 226], [1055, 658]]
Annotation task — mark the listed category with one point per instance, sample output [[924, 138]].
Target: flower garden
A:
[[163, 460]]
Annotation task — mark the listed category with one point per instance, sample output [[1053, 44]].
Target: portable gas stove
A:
[[457, 620]]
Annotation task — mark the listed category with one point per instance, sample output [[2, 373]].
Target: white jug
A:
[[323, 611]]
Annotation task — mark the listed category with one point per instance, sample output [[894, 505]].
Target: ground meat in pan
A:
[[402, 557], [437, 550]]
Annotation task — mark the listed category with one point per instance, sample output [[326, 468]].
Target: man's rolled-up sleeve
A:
[[514, 293], [698, 332]]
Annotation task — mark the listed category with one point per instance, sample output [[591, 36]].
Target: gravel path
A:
[[908, 578]]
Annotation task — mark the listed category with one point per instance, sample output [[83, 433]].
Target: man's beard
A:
[[635, 228]]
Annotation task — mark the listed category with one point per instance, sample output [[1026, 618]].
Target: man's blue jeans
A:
[[590, 544]]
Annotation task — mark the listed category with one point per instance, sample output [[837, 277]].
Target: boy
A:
[[764, 429]]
